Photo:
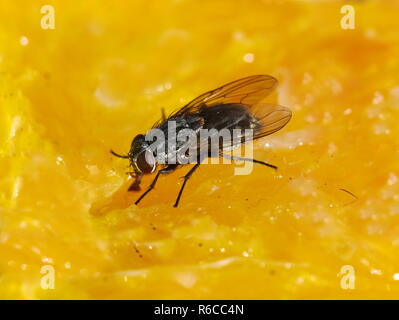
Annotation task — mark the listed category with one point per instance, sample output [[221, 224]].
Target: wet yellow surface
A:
[[70, 94]]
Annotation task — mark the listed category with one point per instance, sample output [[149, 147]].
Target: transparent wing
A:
[[272, 118], [248, 91]]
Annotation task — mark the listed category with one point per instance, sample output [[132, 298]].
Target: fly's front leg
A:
[[170, 168], [135, 186]]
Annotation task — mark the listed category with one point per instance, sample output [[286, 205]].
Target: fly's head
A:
[[142, 159]]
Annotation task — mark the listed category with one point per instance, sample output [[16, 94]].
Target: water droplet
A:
[[24, 41], [248, 57]]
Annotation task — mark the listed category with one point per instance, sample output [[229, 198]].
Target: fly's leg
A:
[[248, 159], [186, 177], [163, 114], [170, 168], [135, 186]]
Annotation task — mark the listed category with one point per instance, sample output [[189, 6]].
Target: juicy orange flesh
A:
[[70, 94]]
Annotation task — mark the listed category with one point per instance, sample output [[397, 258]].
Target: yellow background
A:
[[69, 95]]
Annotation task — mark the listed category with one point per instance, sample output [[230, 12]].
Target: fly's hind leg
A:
[[170, 168], [248, 159], [186, 177]]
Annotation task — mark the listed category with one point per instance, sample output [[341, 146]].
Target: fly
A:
[[236, 105]]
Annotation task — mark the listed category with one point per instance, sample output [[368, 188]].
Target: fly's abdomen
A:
[[233, 123], [228, 116]]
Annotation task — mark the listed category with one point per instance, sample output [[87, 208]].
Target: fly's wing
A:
[[271, 118], [247, 91]]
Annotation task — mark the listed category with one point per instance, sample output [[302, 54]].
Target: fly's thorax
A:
[[169, 139]]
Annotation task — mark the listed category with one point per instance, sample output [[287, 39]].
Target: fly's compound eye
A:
[[146, 162]]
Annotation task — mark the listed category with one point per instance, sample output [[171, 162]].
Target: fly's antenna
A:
[[118, 155]]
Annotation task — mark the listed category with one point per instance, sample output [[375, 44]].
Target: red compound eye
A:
[[146, 162]]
